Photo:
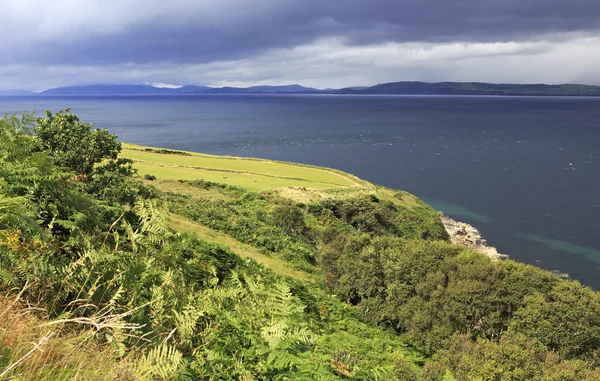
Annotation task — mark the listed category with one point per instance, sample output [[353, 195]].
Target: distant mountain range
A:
[[151, 90], [121, 90], [399, 88], [475, 88]]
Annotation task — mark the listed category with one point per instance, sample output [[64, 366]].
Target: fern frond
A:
[[160, 363], [153, 228]]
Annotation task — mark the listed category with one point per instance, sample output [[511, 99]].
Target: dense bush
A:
[[430, 290], [297, 231], [565, 318], [513, 357]]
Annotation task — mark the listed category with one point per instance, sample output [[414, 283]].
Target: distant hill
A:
[[403, 88], [474, 88], [151, 90], [17, 93], [109, 90]]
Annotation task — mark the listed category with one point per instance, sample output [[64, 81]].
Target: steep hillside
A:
[[220, 268]]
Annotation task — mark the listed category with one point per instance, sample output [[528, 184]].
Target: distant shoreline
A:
[[298, 94], [412, 88]]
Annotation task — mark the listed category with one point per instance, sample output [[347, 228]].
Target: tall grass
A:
[[32, 349]]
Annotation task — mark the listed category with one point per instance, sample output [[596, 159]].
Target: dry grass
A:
[[306, 195], [31, 350]]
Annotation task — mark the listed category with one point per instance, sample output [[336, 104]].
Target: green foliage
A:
[[389, 262], [298, 232], [17, 212], [514, 357], [75, 144], [289, 217], [266, 222], [16, 143], [371, 215], [80, 242], [90, 153], [565, 318], [189, 308], [160, 363], [429, 290], [111, 182]]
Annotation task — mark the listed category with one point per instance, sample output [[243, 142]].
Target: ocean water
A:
[[524, 170]]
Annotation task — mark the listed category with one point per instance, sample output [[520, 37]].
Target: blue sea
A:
[[524, 170]]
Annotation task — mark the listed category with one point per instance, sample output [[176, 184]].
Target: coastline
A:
[[460, 233], [467, 235]]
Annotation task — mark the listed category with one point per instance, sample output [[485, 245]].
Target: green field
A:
[[252, 174]]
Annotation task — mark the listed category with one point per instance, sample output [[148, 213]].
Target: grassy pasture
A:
[[252, 174]]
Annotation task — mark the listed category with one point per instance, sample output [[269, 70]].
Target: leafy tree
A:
[[42, 193], [566, 319], [515, 357], [289, 217], [74, 144], [91, 153]]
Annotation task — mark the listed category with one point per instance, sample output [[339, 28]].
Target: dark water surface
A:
[[524, 170]]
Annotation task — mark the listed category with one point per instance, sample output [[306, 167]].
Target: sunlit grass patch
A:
[[277, 265], [253, 174]]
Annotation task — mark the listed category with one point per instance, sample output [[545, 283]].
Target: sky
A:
[[318, 43]]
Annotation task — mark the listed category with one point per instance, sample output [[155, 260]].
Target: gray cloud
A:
[[186, 31], [151, 34]]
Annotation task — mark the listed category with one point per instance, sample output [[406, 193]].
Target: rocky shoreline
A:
[[468, 236]]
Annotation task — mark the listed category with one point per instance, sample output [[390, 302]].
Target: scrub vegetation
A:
[[122, 262]]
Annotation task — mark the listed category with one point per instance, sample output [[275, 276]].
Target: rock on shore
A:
[[468, 236]]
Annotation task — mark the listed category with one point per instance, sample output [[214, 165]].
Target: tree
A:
[[75, 144], [514, 357], [289, 217], [91, 153], [566, 319]]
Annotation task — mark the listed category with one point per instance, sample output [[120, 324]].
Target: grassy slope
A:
[[253, 174], [71, 359], [299, 182], [277, 265], [296, 181], [302, 183]]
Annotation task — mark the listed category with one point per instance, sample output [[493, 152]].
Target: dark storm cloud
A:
[[207, 31], [320, 43]]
